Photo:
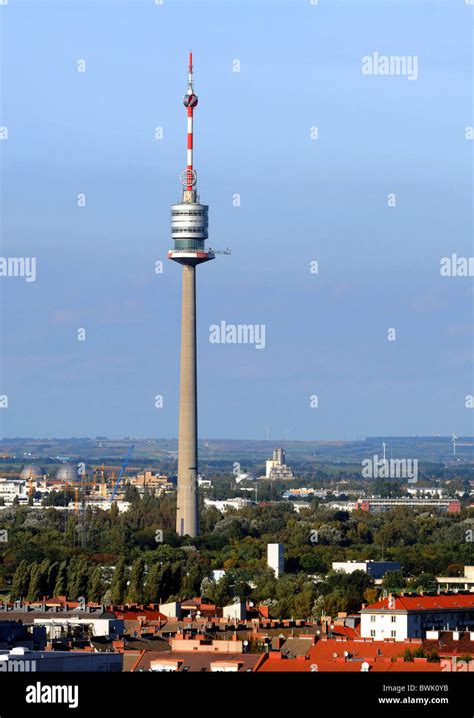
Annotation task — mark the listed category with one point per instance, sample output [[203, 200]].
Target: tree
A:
[[118, 586], [191, 581], [424, 581], [60, 585], [52, 574], [136, 588], [393, 580], [96, 585], [114, 514], [78, 578], [153, 584], [131, 494], [38, 580], [21, 581], [219, 592], [371, 595]]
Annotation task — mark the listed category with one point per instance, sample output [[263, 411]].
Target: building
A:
[[11, 490], [204, 483], [105, 624], [465, 582], [222, 506], [197, 661], [302, 493], [22, 660], [276, 468], [276, 558], [412, 615], [171, 610], [375, 569], [32, 471], [189, 223], [236, 611], [204, 645], [157, 483], [426, 491], [376, 504], [15, 633], [68, 473], [349, 656]]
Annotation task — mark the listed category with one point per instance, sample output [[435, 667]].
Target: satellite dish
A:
[[313, 668], [365, 667], [246, 643]]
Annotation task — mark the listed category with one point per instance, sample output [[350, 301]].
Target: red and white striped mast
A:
[[190, 101]]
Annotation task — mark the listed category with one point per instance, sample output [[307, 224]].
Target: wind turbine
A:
[[454, 443]]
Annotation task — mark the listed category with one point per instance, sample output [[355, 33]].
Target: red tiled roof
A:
[[347, 631], [424, 603], [328, 655], [325, 666], [327, 650]]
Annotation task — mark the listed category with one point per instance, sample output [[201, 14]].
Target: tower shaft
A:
[[187, 521]]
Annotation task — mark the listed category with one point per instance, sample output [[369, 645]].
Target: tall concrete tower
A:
[[189, 222]]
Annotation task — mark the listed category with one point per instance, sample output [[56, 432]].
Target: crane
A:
[[124, 466]]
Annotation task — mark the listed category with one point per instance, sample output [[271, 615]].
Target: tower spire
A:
[[190, 101]]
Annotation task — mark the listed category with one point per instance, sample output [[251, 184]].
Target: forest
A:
[[112, 557]]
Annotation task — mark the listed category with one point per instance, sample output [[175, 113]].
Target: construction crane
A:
[[124, 466]]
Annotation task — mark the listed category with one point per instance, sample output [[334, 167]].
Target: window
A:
[[394, 619], [372, 619], [372, 633], [393, 634]]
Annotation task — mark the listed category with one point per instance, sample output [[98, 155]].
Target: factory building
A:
[[276, 468]]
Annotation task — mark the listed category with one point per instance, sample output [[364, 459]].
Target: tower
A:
[[189, 222]]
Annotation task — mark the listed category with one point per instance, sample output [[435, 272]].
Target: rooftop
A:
[[432, 602]]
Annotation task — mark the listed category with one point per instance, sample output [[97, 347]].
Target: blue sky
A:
[[302, 200]]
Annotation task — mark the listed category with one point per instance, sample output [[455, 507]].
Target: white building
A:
[[59, 626], [171, 610], [465, 582], [413, 615], [375, 569], [9, 490], [222, 506], [235, 611], [204, 483], [276, 468], [276, 558]]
